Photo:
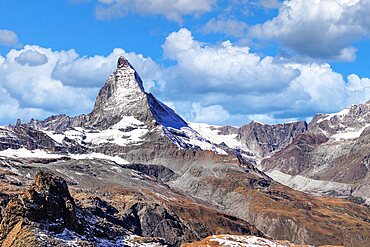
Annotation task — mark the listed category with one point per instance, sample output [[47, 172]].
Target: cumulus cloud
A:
[[8, 38], [222, 68], [171, 9], [31, 58], [213, 114], [242, 86], [11, 110], [318, 28], [230, 27], [360, 85]]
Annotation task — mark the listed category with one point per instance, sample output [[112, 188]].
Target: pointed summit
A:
[[123, 62], [123, 95]]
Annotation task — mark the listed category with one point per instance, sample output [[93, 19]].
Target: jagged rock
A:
[[47, 202], [59, 123], [153, 220], [354, 117], [295, 158], [252, 141]]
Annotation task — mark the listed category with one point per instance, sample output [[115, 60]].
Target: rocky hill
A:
[[139, 175]]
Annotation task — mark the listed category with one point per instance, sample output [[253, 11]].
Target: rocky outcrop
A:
[[47, 202], [29, 136], [46, 205]]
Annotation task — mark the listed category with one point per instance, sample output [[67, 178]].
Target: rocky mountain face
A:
[[140, 175], [332, 157], [254, 141]]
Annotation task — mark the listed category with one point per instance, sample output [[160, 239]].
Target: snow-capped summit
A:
[[122, 95]]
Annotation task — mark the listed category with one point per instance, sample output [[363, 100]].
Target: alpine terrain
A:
[[134, 173]]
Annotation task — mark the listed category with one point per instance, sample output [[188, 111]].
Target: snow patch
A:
[[340, 114], [186, 137], [211, 132], [350, 133], [116, 159], [127, 131], [25, 153], [42, 154], [242, 241], [310, 185]]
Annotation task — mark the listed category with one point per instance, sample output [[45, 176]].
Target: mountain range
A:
[[134, 173]]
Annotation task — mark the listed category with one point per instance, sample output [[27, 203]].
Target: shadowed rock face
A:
[[263, 139], [47, 202], [51, 196], [295, 158]]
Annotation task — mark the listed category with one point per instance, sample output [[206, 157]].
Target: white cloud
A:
[[213, 114], [171, 9], [10, 109], [230, 27], [318, 28], [245, 86], [8, 38], [222, 68], [357, 84]]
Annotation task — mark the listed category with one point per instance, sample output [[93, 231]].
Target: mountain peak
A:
[[123, 95], [123, 62]]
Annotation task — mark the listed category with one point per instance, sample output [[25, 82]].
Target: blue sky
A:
[[217, 61]]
